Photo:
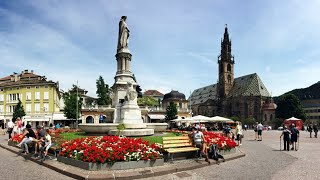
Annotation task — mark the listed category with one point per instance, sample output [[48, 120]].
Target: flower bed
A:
[[110, 149], [223, 143]]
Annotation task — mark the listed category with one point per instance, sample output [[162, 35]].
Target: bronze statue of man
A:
[[123, 34]]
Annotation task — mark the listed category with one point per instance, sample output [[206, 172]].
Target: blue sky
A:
[[174, 44]]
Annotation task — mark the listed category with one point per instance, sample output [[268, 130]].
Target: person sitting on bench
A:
[[31, 136], [214, 153], [199, 142]]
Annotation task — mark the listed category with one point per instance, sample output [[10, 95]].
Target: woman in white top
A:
[[239, 133]]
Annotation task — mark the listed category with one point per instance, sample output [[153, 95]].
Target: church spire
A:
[[226, 66], [226, 47], [226, 34]]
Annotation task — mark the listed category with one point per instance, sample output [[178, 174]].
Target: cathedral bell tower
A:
[[226, 66]]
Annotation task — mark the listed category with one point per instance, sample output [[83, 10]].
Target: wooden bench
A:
[[178, 144]]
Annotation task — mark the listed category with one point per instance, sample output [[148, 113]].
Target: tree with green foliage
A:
[[277, 122], [236, 118], [249, 121], [147, 101], [18, 111], [171, 112], [138, 90], [103, 92], [288, 106], [70, 104]]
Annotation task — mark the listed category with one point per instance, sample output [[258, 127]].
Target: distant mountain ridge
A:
[[311, 92]]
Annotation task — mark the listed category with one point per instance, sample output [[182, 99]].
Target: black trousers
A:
[[316, 134], [217, 156], [310, 134], [10, 132], [286, 143]]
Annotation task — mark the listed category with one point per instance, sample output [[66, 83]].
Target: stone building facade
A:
[[244, 97]]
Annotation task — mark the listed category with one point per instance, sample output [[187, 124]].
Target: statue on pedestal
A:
[[123, 34], [131, 93]]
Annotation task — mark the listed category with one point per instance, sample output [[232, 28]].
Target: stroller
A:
[[214, 153]]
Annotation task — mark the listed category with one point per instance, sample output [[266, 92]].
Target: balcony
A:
[[12, 102], [96, 107]]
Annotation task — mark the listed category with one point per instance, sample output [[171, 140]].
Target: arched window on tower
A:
[[271, 118], [221, 68], [265, 117], [229, 68], [229, 79]]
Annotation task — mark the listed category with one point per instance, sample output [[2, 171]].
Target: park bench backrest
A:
[[176, 142]]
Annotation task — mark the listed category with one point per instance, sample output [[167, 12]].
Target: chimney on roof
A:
[[31, 71], [15, 77], [26, 71]]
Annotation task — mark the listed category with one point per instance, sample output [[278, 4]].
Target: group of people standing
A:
[[14, 127], [290, 136], [313, 128]]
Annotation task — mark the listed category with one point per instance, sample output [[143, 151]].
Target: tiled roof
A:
[[25, 78], [203, 94], [248, 85], [5, 78], [152, 92], [20, 83]]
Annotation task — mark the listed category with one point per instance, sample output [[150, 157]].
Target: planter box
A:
[[11, 143], [116, 166], [226, 152]]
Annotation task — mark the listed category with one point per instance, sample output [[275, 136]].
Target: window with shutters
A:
[[45, 107], [28, 96], [28, 108], [37, 96], [37, 107], [46, 95]]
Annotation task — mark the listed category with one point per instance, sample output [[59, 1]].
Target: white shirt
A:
[[238, 129], [197, 137], [10, 124]]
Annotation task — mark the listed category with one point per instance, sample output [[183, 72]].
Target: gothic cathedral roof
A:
[[248, 85]]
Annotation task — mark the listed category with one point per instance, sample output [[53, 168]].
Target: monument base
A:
[[132, 132]]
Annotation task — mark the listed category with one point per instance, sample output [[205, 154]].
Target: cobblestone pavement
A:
[[263, 160], [14, 167]]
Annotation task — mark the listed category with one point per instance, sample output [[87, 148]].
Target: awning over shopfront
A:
[[157, 116], [59, 116], [35, 119]]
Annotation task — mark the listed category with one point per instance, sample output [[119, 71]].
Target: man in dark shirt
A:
[[310, 130], [286, 138], [294, 137], [315, 129], [41, 135]]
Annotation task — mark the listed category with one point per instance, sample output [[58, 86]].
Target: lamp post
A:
[[77, 107]]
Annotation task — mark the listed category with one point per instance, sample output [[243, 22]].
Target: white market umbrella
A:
[[293, 119], [220, 119]]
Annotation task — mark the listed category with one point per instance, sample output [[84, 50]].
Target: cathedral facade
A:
[[244, 97]]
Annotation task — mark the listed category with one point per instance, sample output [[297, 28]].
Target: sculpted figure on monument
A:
[[131, 93], [123, 34]]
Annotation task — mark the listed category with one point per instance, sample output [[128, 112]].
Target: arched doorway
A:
[[89, 119]]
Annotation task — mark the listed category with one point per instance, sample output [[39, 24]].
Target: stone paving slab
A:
[[168, 168]]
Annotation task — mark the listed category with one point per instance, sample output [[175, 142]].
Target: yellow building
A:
[[39, 97]]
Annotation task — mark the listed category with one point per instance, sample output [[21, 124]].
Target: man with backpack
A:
[[214, 153]]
